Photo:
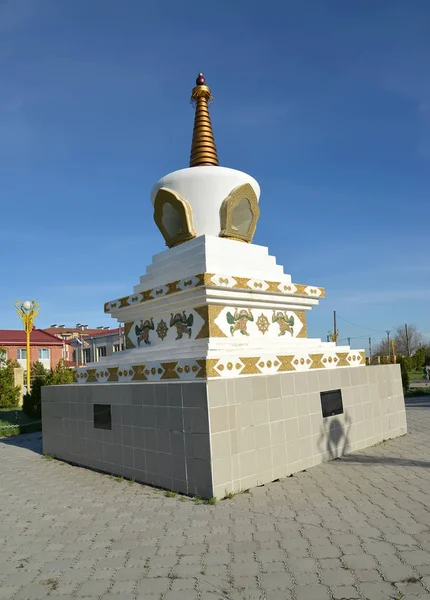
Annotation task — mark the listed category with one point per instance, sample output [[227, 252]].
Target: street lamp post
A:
[[27, 311]]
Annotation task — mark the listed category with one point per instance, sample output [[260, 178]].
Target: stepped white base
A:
[[216, 308]]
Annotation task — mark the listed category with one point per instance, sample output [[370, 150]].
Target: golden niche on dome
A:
[[173, 217], [239, 214]]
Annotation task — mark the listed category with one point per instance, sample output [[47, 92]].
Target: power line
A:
[[360, 326]]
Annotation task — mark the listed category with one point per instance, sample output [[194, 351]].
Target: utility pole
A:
[[335, 333], [407, 340], [389, 349], [370, 348]]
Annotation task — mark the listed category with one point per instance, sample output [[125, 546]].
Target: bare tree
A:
[[407, 340], [382, 348]]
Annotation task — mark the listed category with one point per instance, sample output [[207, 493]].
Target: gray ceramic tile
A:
[[176, 419], [177, 443], [127, 435], [199, 471], [217, 393], [139, 459], [127, 415], [259, 388], [149, 416], [194, 395], [148, 394], [179, 467], [162, 417], [175, 395], [287, 384], [151, 439], [231, 391], [196, 420], [136, 395], [161, 394], [164, 465], [163, 441], [242, 390], [273, 383], [151, 462]]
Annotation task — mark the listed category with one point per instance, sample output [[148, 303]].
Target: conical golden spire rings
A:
[[203, 149]]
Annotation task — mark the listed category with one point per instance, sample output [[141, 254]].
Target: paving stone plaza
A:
[[358, 527]]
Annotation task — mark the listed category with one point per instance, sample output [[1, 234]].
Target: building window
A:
[[87, 355], [21, 354], [118, 348], [44, 354], [101, 351]]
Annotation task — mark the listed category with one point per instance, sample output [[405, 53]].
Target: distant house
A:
[[88, 345], [44, 347], [91, 348]]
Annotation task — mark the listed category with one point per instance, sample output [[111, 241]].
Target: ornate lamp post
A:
[[27, 311]]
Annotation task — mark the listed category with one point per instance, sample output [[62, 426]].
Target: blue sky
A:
[[325, 103]]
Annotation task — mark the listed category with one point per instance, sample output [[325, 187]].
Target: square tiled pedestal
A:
[[211, 437]]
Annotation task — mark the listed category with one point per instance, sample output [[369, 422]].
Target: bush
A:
[[405, 375], [61, 374], [9, 392], [32, 405], [408, 362], [419, 358]]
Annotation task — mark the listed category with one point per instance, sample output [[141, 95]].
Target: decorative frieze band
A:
[[212, 321], [204, 368], [219, 281]]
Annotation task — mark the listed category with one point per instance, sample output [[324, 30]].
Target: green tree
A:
[[61, 374], [418, 359], [32, 405], [9, 392], [404, 372], [427, 358]]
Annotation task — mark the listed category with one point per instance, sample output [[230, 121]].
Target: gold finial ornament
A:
[[203, 149]]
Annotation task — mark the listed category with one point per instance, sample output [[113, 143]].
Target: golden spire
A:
[[203, 149]]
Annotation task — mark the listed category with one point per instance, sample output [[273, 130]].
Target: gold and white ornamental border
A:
[[212, 368], [230, 282]]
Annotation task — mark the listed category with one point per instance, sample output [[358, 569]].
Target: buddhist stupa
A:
[[213, 305], [220, 388]]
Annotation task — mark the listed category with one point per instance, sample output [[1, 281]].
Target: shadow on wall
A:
[[334, 436]]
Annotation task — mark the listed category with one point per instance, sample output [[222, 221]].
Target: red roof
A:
[[70, 330], [101, 332], [38, 337]]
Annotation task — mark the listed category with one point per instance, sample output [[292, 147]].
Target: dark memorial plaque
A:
[[331, 403], [102, 416]]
